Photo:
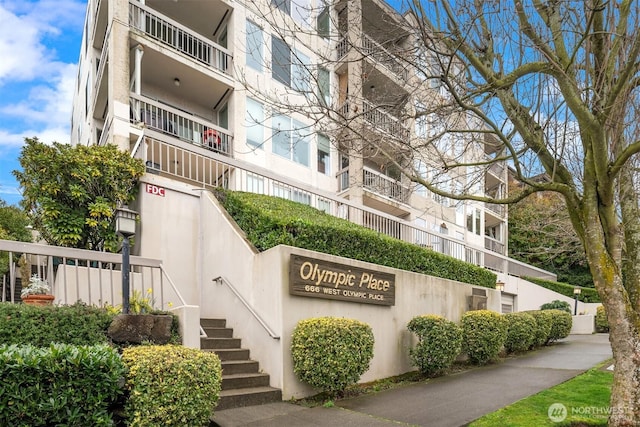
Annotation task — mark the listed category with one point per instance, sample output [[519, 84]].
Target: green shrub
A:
[[561, 323], [602, 324], [520, 331], [542, 328], [40, 326], [58, 385], [439, 343], [586, 295], [271, 221], [171, 385], [331, 353], [556, 305], [484, 333]]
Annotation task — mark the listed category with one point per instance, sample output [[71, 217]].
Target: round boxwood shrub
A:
[[561, 323], [171, 385], [484, 333], [331, 353], [602, 324], [439, 343], [542, 328], [520, 331]]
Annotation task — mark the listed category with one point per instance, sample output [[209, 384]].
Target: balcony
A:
[[493, 245], [378, 184], [377, 53], [192, 129], [377, 119], [499, 210], [179, 38]]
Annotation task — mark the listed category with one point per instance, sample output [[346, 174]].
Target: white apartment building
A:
[[217, 92], [299, 99]]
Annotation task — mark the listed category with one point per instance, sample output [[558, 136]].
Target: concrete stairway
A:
[[242, 382]]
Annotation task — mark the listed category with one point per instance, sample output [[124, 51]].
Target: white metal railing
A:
[[208, 170], [376, 117], [222, 281], [102, 65], [106, 131], [89, 276], [385, 186], [500, 210], [189, 128], [493, 245], [375, 50], [179, 37]]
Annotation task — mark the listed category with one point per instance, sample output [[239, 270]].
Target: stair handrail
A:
[[221, 280], [182, 300]]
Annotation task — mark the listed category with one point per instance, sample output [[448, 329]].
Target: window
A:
[[323, 25], [253, 123], [421, 122], [280, 61], [323, 154], [422, 171], [301, 78], [301, 12], [283, 5], [254, 46], [324, 86], [290, 139], [473, 221]]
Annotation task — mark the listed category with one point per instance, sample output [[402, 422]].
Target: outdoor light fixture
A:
[[499, 286], [126, 227], [576, 292]]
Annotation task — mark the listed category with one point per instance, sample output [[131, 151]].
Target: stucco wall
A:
[[263, 280]]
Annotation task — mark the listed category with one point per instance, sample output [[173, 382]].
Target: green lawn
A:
[[585, 397]]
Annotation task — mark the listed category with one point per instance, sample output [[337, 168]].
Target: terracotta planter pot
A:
[[38, 299]]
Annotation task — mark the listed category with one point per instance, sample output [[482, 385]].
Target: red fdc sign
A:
[[155, 190]]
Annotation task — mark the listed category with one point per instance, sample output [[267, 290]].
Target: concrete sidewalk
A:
[[449, 401]]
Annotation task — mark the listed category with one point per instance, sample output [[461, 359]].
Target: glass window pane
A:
[[301, 144], [324, 86], [253, 123], [301, 76], [301, 11], [280, 61], [323, 23], [283, 5], [254, 46], [281, 136], [323, 154]]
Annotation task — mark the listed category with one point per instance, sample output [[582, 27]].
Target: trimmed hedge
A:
[[331, 353], [602, 324], [587, 295], [556, 305], [439, 343], [271, 221], [542, 329], [561, 323], [520, 331], [58, 385], [484, 333], [171, 385], [40, 326]]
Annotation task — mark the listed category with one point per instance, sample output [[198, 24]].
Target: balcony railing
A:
[[92, 277], [179, 38], [377, 118], [385, 186], [237, 175], [374, 50], [499, 210], [181, 125], [493, 245]]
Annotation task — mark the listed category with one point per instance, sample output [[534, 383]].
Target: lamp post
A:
[[126, 227], [500, 286], [576, 292]]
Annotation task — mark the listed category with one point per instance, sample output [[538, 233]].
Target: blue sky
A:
[[39, 49]]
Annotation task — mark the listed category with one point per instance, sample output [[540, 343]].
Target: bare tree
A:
[[548, 86]]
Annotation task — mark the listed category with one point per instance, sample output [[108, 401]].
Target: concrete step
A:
[[219, 343], [248, 397], [230, 367], [237, 381], [213, 323], [231, 353], [218, 332]]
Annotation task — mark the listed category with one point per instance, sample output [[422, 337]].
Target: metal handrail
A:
[[220, 280]]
